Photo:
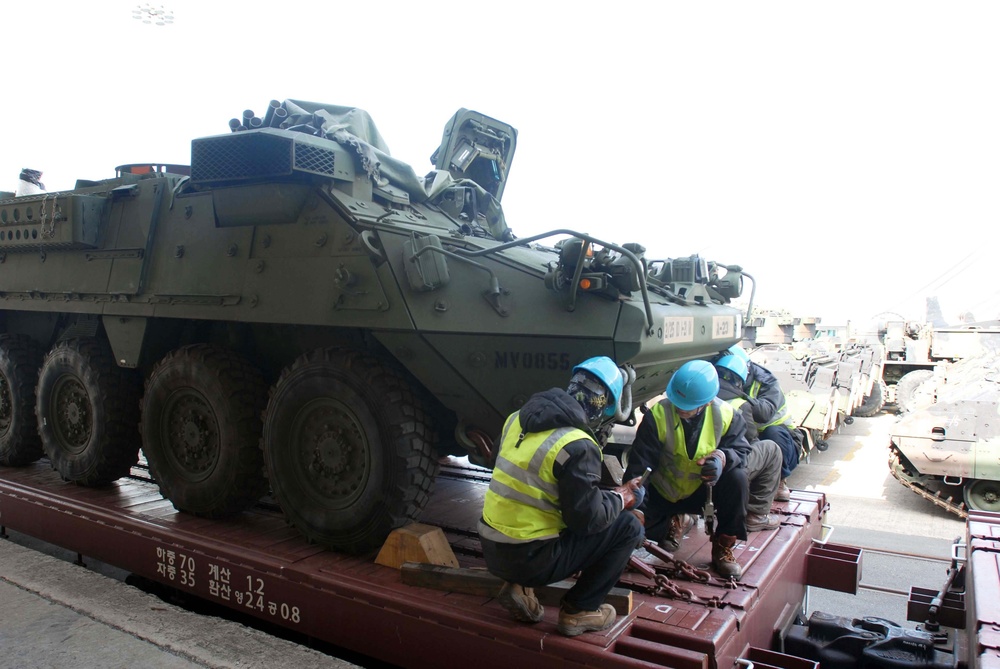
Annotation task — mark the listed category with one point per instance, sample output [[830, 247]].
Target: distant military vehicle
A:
[[913, 350], [769, 327], [298, 308]]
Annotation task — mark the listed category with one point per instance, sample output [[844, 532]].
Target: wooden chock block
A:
[[417, 542]]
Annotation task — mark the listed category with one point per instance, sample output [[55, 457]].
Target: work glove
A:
[[638, 489], [632, 493], [627, 495], [712, 466]]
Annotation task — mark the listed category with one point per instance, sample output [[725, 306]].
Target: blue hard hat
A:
[[606, 371], [738, 351], [694, 385], [734, 364]]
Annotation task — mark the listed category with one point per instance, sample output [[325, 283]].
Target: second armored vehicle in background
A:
[[948, 450]]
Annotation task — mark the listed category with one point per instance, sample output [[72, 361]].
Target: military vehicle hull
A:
[[949, 450], [291, 313]]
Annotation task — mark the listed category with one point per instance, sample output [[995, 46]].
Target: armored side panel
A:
[[960, 343], [58, 221], [50, 249]]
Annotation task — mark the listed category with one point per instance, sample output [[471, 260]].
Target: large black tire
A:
[[201, 430], [20, 359], [87, 414], [873, 402], [909, 396], [982, 495], [348, 445]]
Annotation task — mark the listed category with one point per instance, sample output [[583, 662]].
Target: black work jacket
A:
[[585, 508]]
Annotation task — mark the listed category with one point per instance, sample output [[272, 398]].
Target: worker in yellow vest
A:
[[545, 518], [692, 441], [770, 412], [763, 463]]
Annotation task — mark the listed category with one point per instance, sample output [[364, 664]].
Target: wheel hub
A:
[[983, 495], [192, 434], [72, 413], [334, 450], [332, 454]]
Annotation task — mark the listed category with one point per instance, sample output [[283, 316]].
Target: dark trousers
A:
[[600, 557], [782, 436], [729, 496]]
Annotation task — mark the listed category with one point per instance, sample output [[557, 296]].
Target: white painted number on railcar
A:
[[724, 327], [678, 329], [180, 568], [175, 566], [253, 596]]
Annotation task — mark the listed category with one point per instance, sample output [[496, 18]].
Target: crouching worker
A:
[[693, 441], [763, 462], [545, 518]]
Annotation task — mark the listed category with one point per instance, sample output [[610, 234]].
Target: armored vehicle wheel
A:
[[910, 396], [874, 402], [982, 495], [87, 413], [201, 430], [348, 448], [20, 359]]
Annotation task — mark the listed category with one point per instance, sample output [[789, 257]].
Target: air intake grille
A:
[[313, 159], [259, 154]]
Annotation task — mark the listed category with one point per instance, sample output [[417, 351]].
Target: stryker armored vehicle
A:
[[299, 309]]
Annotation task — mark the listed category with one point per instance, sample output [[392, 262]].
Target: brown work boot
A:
[[784, 493], [761, 522], [520, 603], [723, 559], [679, 526], [572, 624]]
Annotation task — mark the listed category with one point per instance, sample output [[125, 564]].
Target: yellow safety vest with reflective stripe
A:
[[522, 502], [677, 476], [781, 415]]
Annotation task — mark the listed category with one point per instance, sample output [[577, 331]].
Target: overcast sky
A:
[[846, 154]]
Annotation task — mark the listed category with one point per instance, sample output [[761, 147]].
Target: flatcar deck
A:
[[257, 564]]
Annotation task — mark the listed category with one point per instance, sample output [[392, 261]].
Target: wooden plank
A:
[[481, 582]]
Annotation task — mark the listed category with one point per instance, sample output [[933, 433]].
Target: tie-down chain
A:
[[663, 586]]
